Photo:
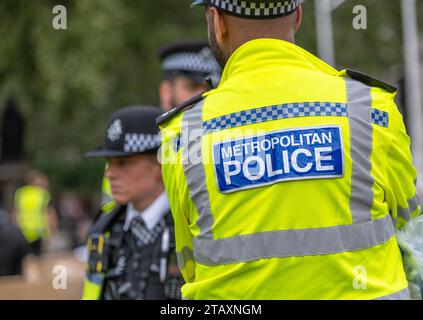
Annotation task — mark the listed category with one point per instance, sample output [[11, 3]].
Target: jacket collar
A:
[[261, 54], [151, 215]]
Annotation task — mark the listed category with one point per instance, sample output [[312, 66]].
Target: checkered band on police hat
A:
[[254, 8], [131, 130], [203, 62], [140, 142]]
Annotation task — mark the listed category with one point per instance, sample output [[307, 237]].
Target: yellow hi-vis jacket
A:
[[107, 202], [31, 204], [287, 181]]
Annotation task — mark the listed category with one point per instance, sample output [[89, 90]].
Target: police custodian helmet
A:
[[131, 130], [190, 58], [258, 9]]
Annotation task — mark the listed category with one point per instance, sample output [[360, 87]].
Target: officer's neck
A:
[[240, 31], [147, 200]]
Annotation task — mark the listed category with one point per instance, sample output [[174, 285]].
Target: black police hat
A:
[[131, 130], [193, 59]]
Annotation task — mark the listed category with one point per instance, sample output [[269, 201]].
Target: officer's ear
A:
[[156, 168], [217, 18], [166, 95], [299, 19]]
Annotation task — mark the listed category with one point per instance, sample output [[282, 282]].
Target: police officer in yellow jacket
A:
[[286, 181]]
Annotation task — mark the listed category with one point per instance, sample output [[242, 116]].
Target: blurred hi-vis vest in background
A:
[[31, 204]]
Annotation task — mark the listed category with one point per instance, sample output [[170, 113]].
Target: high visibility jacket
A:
[[287, 180], [31, 204], [107, 202]]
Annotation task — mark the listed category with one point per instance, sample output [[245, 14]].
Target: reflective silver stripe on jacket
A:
[[105, 198], [183, 256], [293, 243], [192, 125], [400, 295], [361, 131], [413, 204]]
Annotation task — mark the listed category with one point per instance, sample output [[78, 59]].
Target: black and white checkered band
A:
[[257, 9], [139, 142], [201, 62], [142, 234]]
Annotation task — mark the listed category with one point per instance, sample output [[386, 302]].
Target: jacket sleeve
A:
[[174, 180], [403, 199]]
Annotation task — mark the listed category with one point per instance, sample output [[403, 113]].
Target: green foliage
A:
[[68, 82]]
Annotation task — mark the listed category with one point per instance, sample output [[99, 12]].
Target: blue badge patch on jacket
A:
[[294, 154]]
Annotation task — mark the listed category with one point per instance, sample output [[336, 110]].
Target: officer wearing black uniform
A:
[[132, 249]]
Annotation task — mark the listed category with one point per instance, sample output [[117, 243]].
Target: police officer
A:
[[286, 179], [188, 68], [130, 248], [33, 210]]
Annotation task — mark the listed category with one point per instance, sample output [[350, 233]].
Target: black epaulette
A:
[[103, 221], [169, 219], [370, 81], [165, 117]]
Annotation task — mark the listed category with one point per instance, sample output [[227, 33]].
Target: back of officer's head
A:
[[228, 31]]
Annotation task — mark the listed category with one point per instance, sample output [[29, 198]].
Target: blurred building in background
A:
[[13, 166]]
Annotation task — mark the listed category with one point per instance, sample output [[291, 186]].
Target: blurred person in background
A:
[[13, 246], [74, 215], [188, 69], [131, 249], [33, 211]]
